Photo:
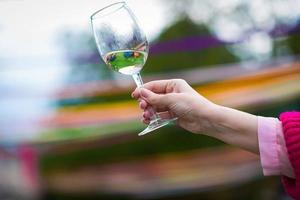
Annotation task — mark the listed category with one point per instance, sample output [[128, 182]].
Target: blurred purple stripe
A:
[[284, 30], [195, 43], [185, 44], [204, 42]]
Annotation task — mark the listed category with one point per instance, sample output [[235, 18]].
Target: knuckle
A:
[[179, 80], [154, 100]]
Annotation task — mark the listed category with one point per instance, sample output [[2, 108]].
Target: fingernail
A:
[[143, 105], [146, 115], [144, 93]]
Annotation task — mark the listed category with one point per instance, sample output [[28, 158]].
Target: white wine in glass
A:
[[123, 46], [126, 62]]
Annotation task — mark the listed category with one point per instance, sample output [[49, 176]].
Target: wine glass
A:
[[124, 48]]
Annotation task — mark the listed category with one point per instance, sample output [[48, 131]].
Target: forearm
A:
[[235, 128]]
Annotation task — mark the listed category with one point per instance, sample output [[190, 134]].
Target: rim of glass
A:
[[112, 8]]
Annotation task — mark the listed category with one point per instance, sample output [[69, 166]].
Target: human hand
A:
[[176, 98]]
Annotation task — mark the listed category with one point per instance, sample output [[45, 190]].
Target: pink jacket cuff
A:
[[272, 148]]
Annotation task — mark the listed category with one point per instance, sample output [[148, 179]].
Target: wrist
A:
[[208, 117], [234, 127]]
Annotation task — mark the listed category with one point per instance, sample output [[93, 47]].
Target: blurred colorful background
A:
[[68, 126]]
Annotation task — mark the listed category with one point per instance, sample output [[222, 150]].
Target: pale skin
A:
[[195, 113]]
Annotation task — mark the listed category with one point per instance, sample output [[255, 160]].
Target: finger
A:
[[145, 121], [136, 93], [156, 108], [143, 104], [159, 86], [147, 114], [165, 115], [158, 101]]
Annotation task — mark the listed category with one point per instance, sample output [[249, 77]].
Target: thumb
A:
[[161, 100]]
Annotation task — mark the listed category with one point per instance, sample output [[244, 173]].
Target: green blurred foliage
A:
[[165, 141], [294, 44], [185, 27], [286, 46]]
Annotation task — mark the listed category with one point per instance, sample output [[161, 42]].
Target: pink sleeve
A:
[[272, 148]]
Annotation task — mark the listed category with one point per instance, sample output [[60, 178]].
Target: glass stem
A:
[[139, 82]]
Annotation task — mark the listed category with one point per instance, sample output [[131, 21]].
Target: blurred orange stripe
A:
[[193, 76], [273, 84]]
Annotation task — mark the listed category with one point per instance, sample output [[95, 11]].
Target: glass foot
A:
[[155, 124]]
